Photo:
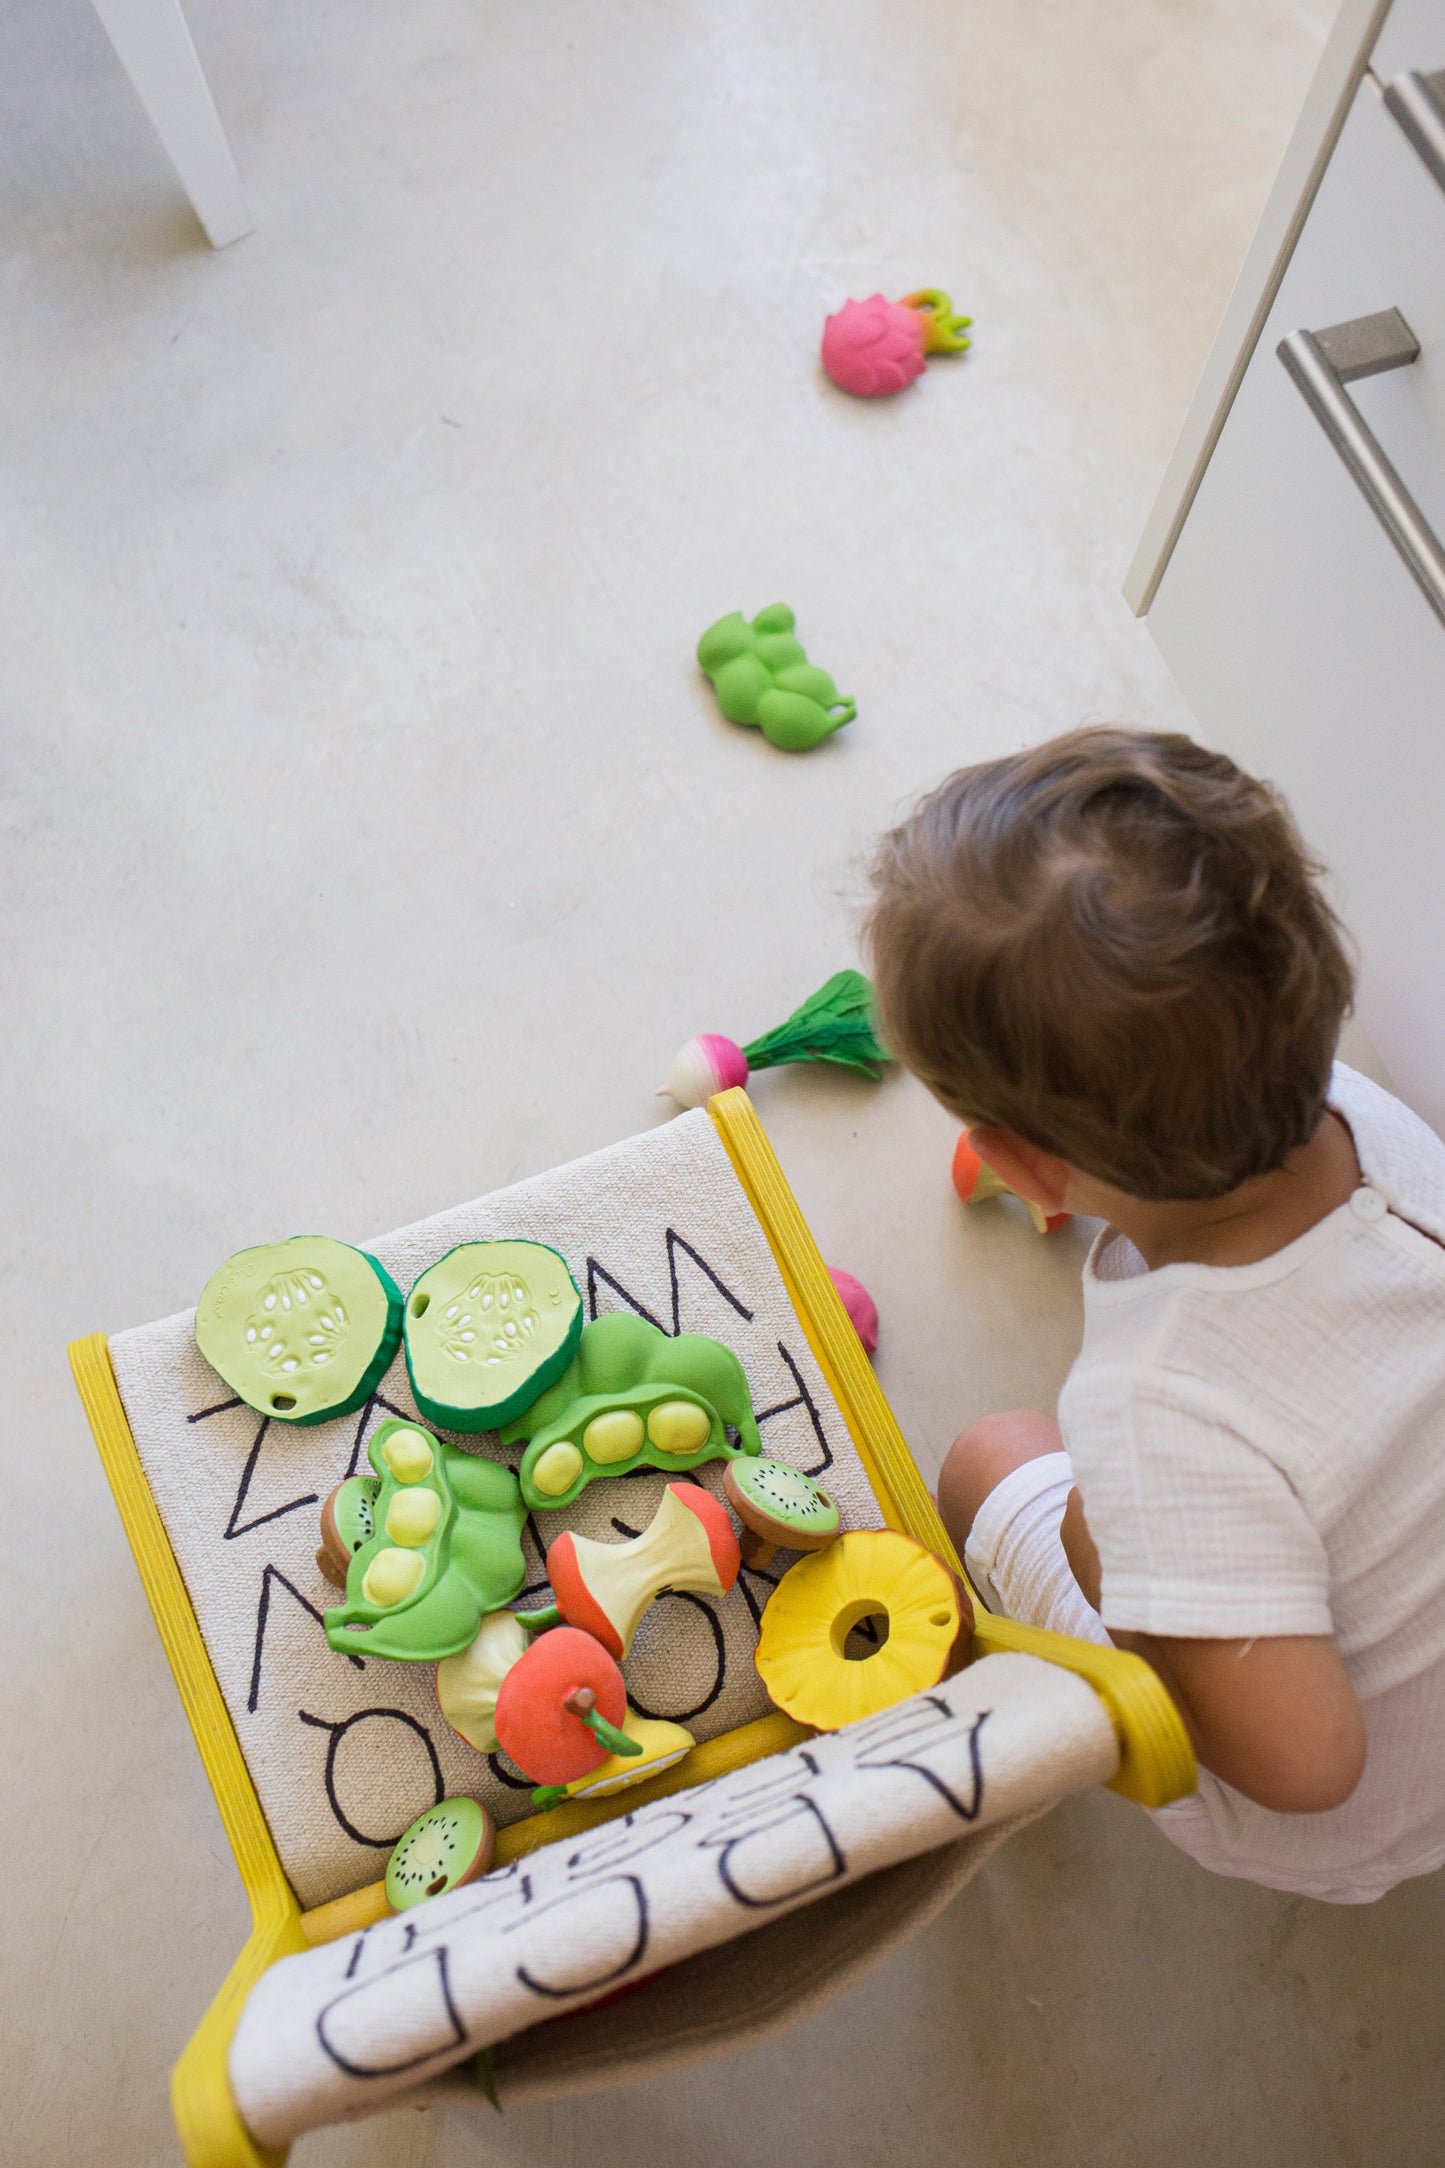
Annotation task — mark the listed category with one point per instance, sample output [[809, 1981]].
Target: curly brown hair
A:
[[1115, 945]]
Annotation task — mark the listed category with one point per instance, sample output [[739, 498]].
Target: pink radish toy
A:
[[876, 346], [836, 1024], [861, 1308]]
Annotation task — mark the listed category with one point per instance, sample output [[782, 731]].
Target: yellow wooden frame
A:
[[1156, 1763]]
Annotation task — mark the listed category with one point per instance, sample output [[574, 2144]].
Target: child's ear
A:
[[1028, 1171]]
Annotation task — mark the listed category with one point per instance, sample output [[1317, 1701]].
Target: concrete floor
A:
[[370, 842]]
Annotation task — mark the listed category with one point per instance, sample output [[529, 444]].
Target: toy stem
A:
[[485, 2072], [835, 1024], [756, 1550], [583, 1703], [615, 1741], [549, 1795], [534, 1621], [943, 332]]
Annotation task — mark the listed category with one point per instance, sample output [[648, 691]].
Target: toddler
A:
[[1109, 958]]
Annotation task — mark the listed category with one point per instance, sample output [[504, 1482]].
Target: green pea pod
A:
[[780, 651], [762, 677], [794, 722], [806, 678], [740, 685], [598, 1418], [729, 637]]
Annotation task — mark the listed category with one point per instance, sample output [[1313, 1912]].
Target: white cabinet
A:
[[1297, 634]]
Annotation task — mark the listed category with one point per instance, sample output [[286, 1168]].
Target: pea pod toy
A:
[[446, 1549], [633, 1397], [762, 677]]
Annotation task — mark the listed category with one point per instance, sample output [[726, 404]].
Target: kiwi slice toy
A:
[[445, 1847], [780, 1509], [303, 1330], [348, 1520], [489, 1327], [632, 1397]]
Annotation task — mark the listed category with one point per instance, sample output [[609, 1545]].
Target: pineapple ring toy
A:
[[867, 1573], [976, 1183], [876, 346]]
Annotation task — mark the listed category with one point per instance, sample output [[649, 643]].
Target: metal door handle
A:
[[1322, 363], [1418, 104]]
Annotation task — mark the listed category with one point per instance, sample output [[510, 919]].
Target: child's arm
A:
[[1275, 1717]]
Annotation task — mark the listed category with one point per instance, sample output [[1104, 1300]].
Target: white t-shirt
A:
[[1260, 1450]]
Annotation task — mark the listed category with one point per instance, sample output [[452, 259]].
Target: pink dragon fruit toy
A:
[[876, 346]]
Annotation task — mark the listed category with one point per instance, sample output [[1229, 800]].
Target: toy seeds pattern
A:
[[346, 1751], [334, 2032]]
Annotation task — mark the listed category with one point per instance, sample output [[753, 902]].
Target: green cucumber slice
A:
[[488, 1328], [302, 1330]]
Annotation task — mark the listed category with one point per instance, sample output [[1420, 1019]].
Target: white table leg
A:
[[157, 54]]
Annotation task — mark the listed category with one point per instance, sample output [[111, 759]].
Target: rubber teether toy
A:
[[661, 1743], [872, 1574], [763, 678], [606, 1587], [448, 1845], [780, 1509], [862, 1309], [446, 1548], [468, 1683], [976, 1182], [876, 346], [302, 1330], [560, 1709], [836, 1025], [488, 1327], [348, 1520], [632, 1397]]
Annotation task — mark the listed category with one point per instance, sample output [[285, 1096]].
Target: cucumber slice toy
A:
[[303, 1330], [348, 1520], [633, 1397], [446, 1549], [489, 1327], [445, 1847], [780, 1509]]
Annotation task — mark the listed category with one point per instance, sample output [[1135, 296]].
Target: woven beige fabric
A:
[[345, 1753], [335, 2032]]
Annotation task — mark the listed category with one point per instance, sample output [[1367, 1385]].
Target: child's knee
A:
[[981, 1456]]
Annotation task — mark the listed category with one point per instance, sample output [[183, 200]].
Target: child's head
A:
[[1113, 945]]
